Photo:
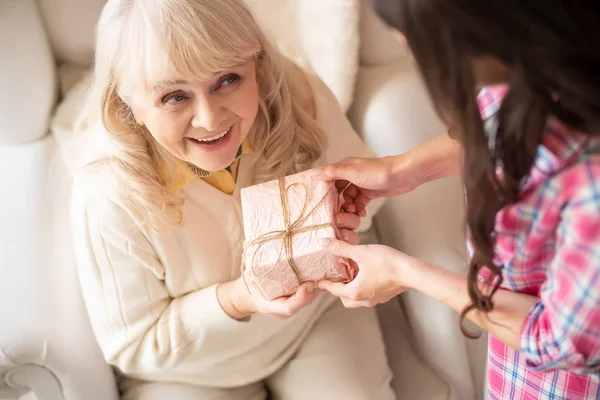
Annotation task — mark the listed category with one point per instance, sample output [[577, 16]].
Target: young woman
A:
[[530, 146]]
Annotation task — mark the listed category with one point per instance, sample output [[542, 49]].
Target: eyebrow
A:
[[167, 83], [173, 82]]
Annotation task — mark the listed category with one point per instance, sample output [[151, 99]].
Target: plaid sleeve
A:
[[489, 100], [562, 331]]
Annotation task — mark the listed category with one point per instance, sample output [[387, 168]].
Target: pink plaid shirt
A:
[[549, 246]]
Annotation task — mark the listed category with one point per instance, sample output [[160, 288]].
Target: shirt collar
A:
[[187, 172], [561, 147]]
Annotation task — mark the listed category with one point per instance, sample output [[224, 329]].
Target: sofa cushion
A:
[[319, 35], [27, 80], [70, 25], [322, 36], [46, 341], [63, 124]]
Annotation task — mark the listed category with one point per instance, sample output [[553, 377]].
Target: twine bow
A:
[[291, 228]]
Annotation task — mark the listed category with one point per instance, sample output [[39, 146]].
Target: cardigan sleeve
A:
[[141, 329]]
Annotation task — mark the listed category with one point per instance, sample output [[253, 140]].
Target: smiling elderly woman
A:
[[189, 103]]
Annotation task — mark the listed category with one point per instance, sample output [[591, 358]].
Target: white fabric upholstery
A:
[[70, 25], [322, 36], [26, 73], [393, 114], [44, 330], [319, 35], [46, 345]]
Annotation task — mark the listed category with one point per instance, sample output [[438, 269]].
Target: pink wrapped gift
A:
[[283, 221]]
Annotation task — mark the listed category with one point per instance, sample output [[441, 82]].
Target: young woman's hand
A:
[[370, 178], [383, 273], [366, 179], [240, 302]]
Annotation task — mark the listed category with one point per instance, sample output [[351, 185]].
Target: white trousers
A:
[[343, 357]]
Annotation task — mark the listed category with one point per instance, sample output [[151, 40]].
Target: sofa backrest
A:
[[320, 35]]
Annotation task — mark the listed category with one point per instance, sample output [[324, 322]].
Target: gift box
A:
[[283, 222]]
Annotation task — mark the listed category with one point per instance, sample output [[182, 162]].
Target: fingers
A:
[[347, 221], [357, 199], [363, 199], [361, 212], [343, 170], [287, 306], [327, 173], [341, 184], [349, 207], [344, 292], [349, 236], [348, 199], [350, 192], [352, 303], [338, 247], [303, 296], [335, 288], [347, 293]]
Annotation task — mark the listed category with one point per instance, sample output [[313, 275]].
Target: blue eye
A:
[[230, 80], [174, 98]]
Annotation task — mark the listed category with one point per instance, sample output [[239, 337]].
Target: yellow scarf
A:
[[223, 180]]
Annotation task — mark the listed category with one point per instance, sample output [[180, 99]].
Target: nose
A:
[[208, 114]]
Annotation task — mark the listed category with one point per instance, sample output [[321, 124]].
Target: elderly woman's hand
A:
[[240, 301], [347, 223]]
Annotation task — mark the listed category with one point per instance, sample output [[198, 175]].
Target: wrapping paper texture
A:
[[266, 264]]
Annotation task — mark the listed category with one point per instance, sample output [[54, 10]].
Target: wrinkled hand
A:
[[369, 179], [281, 308], [383, 273], [241, 301]]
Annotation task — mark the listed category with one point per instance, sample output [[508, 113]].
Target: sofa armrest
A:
[[30, 379], [27, 74], [44, 328]]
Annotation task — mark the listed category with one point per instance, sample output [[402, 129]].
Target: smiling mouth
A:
[[213, 139]]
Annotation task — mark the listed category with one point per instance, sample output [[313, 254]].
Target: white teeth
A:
[[210, 139]]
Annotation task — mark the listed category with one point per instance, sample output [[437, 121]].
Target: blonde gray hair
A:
[[192, 39]]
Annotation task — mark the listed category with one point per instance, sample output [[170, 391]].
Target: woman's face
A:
[[203, 123]]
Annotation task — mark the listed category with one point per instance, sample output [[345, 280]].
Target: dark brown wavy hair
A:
[[551, 52]]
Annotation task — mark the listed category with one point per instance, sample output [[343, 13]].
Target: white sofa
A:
[[47, 349]]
